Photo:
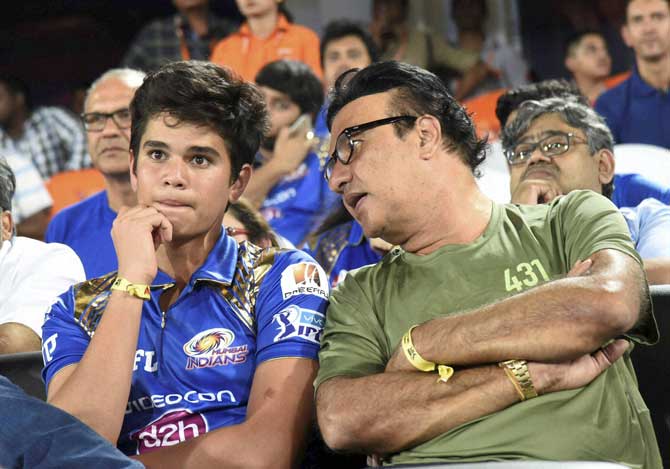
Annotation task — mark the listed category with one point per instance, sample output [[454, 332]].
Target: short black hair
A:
[[338, 29], [416, 92], [575, 38], [297, 81], [201, 93], [16, 85], [510, 101], [7, 185]]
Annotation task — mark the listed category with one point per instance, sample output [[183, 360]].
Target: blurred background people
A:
[[589, 62]]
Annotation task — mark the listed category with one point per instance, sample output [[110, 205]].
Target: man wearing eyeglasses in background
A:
[[558, 145], [86, 226], [426, 355]]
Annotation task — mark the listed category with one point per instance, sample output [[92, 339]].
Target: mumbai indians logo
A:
[[297, 322], [305, 278], [213, 348]]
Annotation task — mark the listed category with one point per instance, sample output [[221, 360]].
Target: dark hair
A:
[[341, 28], [574, 39], [296, 80], [510, 101], [416, 92], [7, 185], [202, 93], [17, 86], [258, 228]]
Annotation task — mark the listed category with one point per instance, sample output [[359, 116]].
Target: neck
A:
[[180, 259], [471, 40], [590, 87], [119, 191], [262, 26], [655, 72], [456, 215], [197, 20], [14, 127]]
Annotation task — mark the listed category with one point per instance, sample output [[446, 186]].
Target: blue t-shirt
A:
[[86, 227], [649, 226], [636, 112], [195, 364], [631, 189], [342, 249], [297, 204]]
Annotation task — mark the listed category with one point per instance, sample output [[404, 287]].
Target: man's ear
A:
[[570, 64], [605, 166], [133, 173], [243, 177], [6, 224], [430, 135]]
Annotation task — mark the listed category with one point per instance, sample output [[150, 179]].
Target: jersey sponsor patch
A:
[[298, 322], [305, 278], [169, 429], [213, 347]]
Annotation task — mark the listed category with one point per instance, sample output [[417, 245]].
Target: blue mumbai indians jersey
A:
[[195, 363]]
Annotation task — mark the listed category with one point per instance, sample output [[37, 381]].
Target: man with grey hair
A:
[[32, 275], [86, 226], [557, 145]]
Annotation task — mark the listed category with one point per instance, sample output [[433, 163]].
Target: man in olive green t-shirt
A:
[[515, 306]]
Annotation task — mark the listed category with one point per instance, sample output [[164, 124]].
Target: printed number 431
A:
[[528, 275]]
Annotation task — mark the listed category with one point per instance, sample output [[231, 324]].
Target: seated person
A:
[[244, 223], [455, 345], [629, 189], [339, 246], [32, 275], [588, 61], [556, 146], [86, 226], [31, 205], [267, 34], [196, 332], [288, 184]]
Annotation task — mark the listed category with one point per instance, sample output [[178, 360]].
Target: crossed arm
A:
[[556, 327]]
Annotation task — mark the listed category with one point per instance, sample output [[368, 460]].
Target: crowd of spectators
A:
[[291, 228]]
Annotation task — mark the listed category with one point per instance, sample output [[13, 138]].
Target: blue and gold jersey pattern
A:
[[195, 362]]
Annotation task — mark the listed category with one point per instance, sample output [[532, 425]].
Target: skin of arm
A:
[[76, 389], [290, 150], [361, 414], [280, 409], [35, 225], [16, 338], [586, 312], [657, 270]]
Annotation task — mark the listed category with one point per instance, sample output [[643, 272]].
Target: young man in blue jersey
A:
[[198, 351]]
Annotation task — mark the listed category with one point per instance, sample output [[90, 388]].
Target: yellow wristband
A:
[[445, 372], [137, 290]]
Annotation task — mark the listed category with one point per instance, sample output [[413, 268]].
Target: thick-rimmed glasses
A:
[[345, 144], [96, 121], [550, 146]]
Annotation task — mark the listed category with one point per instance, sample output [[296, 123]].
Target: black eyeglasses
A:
[[96, 121], [552, 145], [344, 145]]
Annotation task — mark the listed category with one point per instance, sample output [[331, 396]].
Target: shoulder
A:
[[77, 213], [610, 98], [41, 252], [302, 31], [86, 301]]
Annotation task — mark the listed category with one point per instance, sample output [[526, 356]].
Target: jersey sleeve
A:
[[590, 223], [63, 340], [353, 342], [291, 307]]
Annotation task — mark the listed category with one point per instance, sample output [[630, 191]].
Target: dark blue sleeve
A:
[[55, 230], [63, 340], [291, 307], [631, 189]]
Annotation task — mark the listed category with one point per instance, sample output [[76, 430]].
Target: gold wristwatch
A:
[[517, 371]]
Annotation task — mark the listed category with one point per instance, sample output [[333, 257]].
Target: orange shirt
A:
[[246, 54]]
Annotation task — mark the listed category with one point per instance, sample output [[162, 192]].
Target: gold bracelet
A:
[[518, 373], [445, 372], [137, 290]]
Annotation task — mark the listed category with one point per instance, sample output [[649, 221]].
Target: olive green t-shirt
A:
[[522, 246]]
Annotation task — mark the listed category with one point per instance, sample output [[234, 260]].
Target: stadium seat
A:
[[69, 187], [483, 110], [653, 371], [25, 370], [650, 161]]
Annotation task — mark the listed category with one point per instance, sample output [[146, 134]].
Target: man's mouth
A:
[[353, 199]]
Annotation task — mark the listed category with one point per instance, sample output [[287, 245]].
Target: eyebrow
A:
[[204, 150]]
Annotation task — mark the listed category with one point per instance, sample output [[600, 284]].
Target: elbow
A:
[[334, 433], [620, 303]]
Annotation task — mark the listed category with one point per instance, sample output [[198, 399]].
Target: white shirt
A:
[[32, 275]]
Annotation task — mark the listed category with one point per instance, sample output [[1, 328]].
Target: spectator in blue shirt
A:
[[638, 109]]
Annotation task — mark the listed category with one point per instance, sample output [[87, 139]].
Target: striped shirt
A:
[[31, 195], [53, 138]]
